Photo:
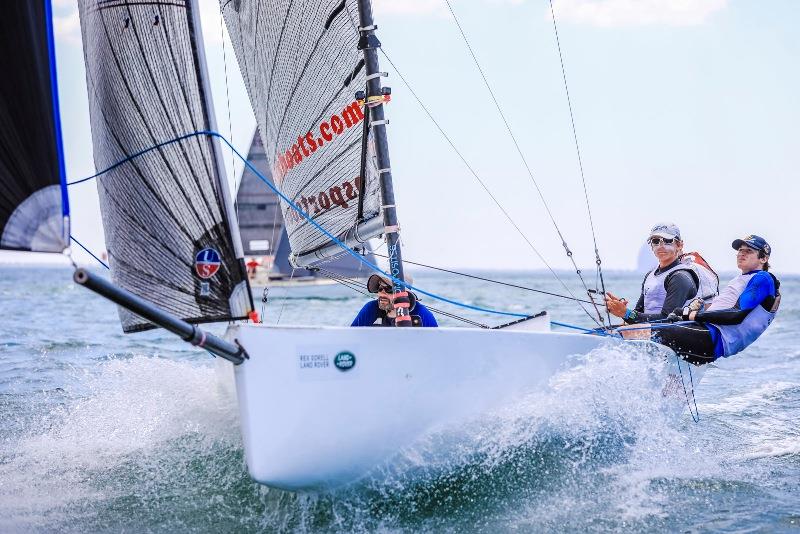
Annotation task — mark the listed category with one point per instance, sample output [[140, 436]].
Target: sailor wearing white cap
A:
[[676, 281]]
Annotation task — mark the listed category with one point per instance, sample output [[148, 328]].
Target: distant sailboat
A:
[[266, 242]]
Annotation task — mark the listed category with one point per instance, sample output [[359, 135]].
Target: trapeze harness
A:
[[725, 329]]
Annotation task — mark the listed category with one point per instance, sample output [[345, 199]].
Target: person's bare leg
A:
[[635, 331]]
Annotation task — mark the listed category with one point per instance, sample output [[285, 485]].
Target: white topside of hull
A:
[[308, 424]]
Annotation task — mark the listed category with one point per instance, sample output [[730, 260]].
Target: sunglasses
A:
[[384, 288], [657, 241]]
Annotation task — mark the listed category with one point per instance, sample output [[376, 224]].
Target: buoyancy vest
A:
[[654, 287], [707, 279], [737, 337]]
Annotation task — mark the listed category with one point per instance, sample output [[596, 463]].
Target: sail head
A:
[[169, 235]]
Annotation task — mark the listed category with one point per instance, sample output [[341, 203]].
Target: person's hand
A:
[[696, 305], [685, 313], [616, 306]]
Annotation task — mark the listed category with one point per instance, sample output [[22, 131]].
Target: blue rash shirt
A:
[[760, 287], [371, 313]]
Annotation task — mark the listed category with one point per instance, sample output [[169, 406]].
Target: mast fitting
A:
[[368, 41]]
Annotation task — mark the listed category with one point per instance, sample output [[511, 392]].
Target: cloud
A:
[[628, 13]]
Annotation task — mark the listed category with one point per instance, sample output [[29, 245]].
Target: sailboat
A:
[[319, 406], [266, 243]]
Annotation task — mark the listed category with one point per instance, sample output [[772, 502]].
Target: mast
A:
[[370, 44]]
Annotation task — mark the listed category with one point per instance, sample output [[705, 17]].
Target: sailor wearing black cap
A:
[[380, 312], [737, 317]]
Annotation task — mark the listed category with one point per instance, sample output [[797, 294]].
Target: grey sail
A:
[[34, 211], [167, 219], [258, 207], [263, 231], [302, 68]]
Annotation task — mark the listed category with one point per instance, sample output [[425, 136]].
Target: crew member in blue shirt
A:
[[735, 318], [380, 312]]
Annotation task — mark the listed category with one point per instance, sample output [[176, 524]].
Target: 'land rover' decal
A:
[[344, 361]]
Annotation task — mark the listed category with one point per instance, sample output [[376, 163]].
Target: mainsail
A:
[[168, 221], [34, 212], [302, 68], [262, 229]]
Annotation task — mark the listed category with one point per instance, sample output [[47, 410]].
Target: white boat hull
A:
[[308, 424]]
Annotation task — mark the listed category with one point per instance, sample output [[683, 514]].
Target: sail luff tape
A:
[[378, 123], [377, 75]]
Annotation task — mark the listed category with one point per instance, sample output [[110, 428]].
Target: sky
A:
[[685, 111]]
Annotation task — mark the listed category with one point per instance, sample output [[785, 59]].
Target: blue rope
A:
[[140, 153], [594, 331], [90, 253], [304, 215]]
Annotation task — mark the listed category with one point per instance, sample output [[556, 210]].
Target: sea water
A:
[[101, 431]]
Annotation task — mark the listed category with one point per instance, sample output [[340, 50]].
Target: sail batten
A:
[[171, 235], [302, 68]]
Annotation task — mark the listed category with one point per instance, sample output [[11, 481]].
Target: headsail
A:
[[170, 229], [34, 212], [302, 68], [262, 229]]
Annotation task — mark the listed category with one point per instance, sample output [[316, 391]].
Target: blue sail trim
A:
[[303, 214], [62, 169]]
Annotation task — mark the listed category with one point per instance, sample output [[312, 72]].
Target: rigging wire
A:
[[522, 156], [283, 304], [89, 252], [598, 261], [481, 182], [292, 205], [499, 282], [358, 286]]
